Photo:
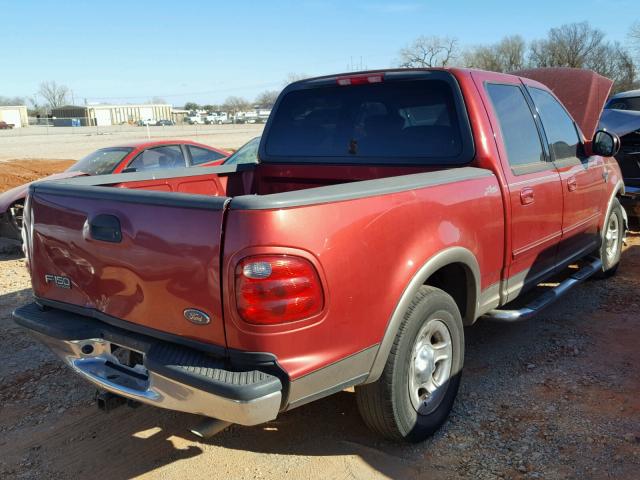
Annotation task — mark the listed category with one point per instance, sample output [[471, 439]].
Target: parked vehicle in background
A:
[[6, 126], [145, 123], [622, 116], [165, 123], [625, 101], [246, 117], [129, 157], [216, 118], [263, 115], [194, 119], [378, 223]]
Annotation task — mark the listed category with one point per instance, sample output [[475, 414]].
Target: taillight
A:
[[361, 79], [277, 288]]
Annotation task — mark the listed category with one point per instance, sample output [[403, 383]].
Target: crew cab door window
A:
[[519, 130], [166, 156], [202, 155], [535, 192], [559, 127], [582, 177]]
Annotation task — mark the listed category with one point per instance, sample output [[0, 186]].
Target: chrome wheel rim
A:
[[430, 366], [611, 237]]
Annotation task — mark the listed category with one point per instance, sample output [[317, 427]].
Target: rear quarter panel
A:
[[366, 251]]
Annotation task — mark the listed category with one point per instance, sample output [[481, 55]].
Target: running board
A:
[[547, 298]]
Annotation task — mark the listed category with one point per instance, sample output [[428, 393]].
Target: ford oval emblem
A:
[[196, 316]]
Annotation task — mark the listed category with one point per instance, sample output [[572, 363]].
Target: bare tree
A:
[[430, 52], [578, 45], [236, 104], [12, 101], [634, 37], [614, 62], [294, 77], [157, 101], [569, 45], [505, 56], [212, 107], [267, 98], [55, 95]]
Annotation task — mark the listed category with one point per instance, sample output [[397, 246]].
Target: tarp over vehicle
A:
[[620, 122], [583, 92]]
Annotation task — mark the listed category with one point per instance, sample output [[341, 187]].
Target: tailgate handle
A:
[[105, 228]]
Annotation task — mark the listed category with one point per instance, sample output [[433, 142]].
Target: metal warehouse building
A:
[[17, 115], [99, 115]]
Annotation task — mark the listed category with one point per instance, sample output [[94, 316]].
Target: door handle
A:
[[572, 183], [526, 196]]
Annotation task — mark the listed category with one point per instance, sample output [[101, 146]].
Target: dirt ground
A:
[[19, 172], [555, 397]]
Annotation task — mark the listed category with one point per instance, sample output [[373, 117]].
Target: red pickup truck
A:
[[389, 210]]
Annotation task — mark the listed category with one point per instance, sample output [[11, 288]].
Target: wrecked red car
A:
[[130, 157], [389, 210]]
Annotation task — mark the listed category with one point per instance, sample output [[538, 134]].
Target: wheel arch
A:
[[616, 192], [458, 259]]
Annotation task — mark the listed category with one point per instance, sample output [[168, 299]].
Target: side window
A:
[[169, 156], [248, 153], [519, 131], [202, 155], [558, 125]]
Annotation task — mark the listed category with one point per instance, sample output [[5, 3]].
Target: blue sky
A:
[[206, 51]]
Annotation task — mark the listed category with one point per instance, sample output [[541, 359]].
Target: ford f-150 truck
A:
[[388, 210]]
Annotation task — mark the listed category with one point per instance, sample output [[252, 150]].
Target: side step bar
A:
[[547, 298]]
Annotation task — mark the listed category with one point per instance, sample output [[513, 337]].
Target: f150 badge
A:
[[58, 280]]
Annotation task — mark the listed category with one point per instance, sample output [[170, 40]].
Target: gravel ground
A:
[[555, 397], [75, 143]]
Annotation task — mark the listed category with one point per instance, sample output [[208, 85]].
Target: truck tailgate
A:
[[139, 256]]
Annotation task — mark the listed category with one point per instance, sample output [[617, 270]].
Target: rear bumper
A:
[[171, 376]]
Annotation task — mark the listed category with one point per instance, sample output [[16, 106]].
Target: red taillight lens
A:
[[277, 288]]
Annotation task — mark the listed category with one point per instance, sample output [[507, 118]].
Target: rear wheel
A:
[[418, 386], [612, 239]]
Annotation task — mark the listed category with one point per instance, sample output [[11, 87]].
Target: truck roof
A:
[[583, 92]]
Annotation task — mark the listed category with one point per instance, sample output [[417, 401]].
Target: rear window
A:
[[101, 161], [400, 121]]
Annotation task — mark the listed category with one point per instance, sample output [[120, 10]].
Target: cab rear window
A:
[[399, 121]]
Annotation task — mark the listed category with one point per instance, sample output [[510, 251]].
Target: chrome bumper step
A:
[[170, 376]]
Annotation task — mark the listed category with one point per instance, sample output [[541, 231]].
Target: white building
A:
[[101, 115], [17, 115]]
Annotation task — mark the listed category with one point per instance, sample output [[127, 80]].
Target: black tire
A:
[[610, 255], [386, 404]]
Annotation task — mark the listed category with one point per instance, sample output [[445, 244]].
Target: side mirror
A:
[[605, 144], [129, 170]]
